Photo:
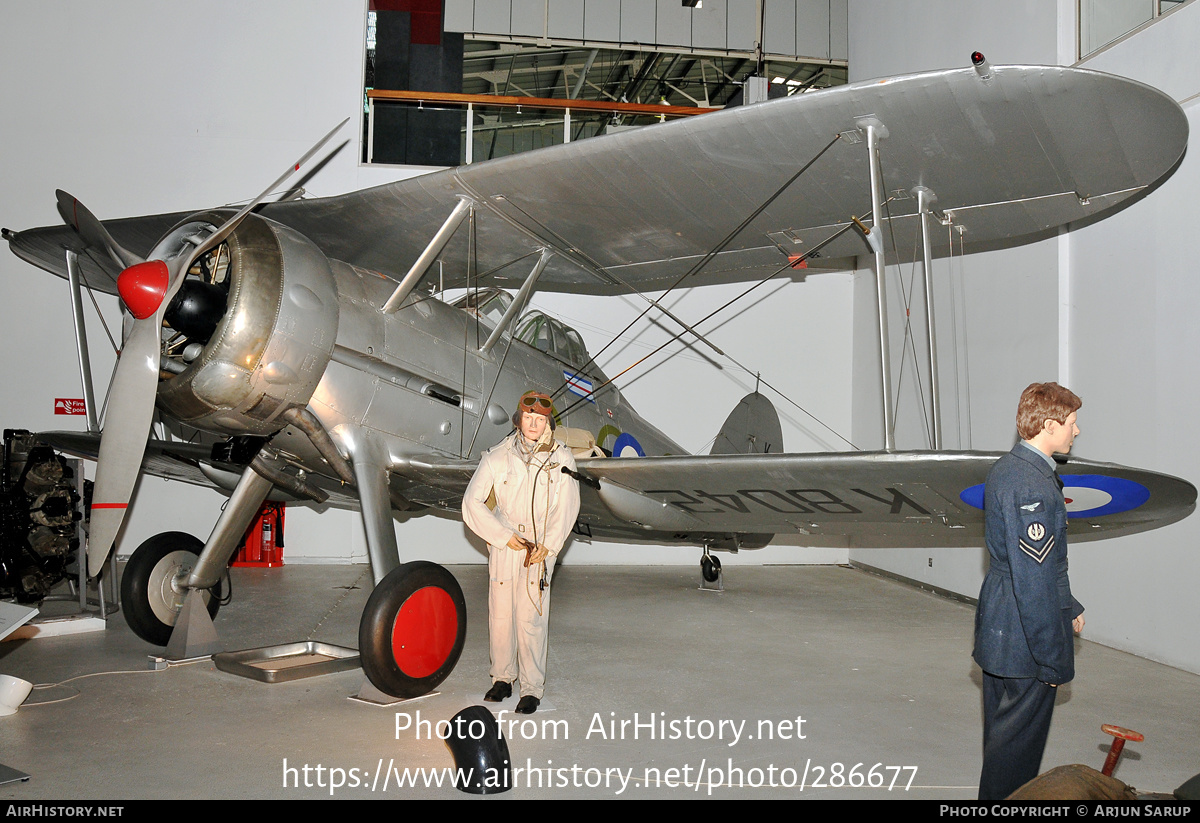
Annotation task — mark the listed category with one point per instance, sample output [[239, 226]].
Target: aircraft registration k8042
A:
[[298, 352]]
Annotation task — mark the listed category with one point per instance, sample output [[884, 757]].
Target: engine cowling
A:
[[270, 346]]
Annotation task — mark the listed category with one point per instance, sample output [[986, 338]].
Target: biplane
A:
[[299, 350]]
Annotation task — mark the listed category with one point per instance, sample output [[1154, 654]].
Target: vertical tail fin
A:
[[751, 428]]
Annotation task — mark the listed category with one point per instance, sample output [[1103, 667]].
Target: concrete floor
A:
[[880, 673]]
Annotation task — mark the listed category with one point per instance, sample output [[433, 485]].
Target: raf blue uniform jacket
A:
[[1023, 623]]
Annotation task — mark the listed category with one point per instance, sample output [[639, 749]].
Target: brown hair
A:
[[1041, 402]]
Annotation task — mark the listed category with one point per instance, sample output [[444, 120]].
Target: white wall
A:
[[1107, 310], [142, 107], [1134, 340], [888, 38]]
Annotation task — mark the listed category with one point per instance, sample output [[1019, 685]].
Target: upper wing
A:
[[1016, 155], [46, 247]]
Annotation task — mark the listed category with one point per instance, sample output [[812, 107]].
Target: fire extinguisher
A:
[[262, 544], [268, 535], [272, 534]]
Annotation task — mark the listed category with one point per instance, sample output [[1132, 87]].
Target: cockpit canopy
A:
[[535, 328], [549, 335], [544, 333], [487, 304]]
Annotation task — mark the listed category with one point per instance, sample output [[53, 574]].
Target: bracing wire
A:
[[700, 264], [962, 374], [907, 337], [88, 288], [790, 264]]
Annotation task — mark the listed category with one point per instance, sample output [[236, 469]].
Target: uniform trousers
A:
[[1016, 723], [517, 631]]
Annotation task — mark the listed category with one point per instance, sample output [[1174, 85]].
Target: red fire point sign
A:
[[69, 405]]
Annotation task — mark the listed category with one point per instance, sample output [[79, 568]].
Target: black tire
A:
[[710, 568], [149, 602], [413, 629]]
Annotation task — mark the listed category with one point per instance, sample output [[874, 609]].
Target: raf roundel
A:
[[1086, 495], [626, 445]]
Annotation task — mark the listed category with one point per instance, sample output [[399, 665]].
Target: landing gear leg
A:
[[415, 623], [710, 573], [193, 634]]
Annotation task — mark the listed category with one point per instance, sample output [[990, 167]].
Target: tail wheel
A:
[[710, 568], [413, 629], [150, 595]]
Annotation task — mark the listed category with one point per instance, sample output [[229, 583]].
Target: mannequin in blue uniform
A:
[[1027, 616]]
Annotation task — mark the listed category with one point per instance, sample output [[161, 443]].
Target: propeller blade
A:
[[147, 290], [232, 223], [79, 217], [123, 441]]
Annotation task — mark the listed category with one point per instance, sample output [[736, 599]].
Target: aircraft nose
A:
[[142, 287]]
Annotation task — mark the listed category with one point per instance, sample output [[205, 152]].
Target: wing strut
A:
[[876, 131], [925, 200], [517, 304], [81, 346], [430, 254]]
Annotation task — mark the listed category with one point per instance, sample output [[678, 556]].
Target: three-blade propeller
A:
[[146, 289]]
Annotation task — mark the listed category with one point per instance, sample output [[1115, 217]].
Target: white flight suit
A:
[[536, 501]]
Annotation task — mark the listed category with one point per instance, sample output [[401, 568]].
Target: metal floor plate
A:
[[287, 662]]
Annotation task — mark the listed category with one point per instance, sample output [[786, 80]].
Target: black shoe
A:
[[528, 704], [499, 691]]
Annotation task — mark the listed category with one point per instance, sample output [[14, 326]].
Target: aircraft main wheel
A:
[[150, 596], [710, 568], [413, 629]]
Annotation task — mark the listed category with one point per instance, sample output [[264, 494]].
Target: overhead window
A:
[[1104, 21]]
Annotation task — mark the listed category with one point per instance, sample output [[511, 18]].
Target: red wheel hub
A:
[[424, 632]]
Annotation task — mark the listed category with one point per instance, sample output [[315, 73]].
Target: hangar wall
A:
[[1107, 310], [1134, 340], [140, 118]]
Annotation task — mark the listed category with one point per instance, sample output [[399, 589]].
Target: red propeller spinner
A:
[[143, 286]]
